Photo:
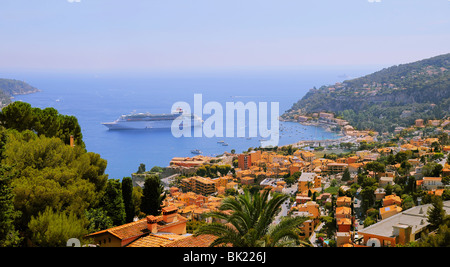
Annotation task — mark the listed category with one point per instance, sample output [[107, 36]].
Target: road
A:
[[312, 238], [286, 205]]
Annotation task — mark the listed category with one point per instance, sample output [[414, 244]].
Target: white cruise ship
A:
[[151, 121]]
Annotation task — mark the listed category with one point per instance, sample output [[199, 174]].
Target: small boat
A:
[[220, 142], [224, 144], [196, 151]]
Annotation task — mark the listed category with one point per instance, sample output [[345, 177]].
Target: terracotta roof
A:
[[344, 199], [126, 231], [437, 192], [169, 209], [343, 221], [193, 241], [343, 210], [391, 208], [156, 240], [137, 228]]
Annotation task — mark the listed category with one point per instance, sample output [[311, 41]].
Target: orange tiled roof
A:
[[343, 210], [344, 199], [343, 221], [193, 241], [127, 230], [137, 228], [391, 208], [437, 192], [155, 240]]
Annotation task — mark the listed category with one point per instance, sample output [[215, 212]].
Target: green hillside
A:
[[10, 87], [391, 97]]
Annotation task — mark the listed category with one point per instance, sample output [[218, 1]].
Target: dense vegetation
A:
[[51, 191], [394, 96], [9, 87], [48, 122]]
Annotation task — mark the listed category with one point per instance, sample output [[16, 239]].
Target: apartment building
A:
[[199, 185]]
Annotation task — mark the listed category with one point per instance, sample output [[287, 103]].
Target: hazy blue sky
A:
[[214, 34]]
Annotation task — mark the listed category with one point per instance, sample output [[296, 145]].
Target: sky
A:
[[146, 35]]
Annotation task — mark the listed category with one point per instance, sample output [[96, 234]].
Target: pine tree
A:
[[153, 196], [113, 202], [436, 213], [54, 229], [127, 195], [8, 235], [346, 175]]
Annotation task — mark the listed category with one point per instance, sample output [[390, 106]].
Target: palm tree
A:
[[249, 222]]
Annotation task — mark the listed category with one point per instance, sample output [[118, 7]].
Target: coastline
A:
[[21, 88], [325, 142]]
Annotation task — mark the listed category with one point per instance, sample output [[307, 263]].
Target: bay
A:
[[102, 97]]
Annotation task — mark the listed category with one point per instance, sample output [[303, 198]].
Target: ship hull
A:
[[138, 125]]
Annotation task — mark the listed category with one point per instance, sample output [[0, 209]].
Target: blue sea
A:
[[95, 98]]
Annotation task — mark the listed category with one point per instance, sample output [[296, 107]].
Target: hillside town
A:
[[362, 190]]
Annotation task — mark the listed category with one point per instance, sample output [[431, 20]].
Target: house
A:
[[245, 161], [401, 228], [343, 239], [436, 192], [302, 118], [343, 201], [434, 122], [307, 226], [392, 200], [299, 199], [247, 180], [351, 160], [388, 211], [306, 155], [343, 224], [311, 207], [324, 197], [419, 123], [379, 193], [120, 236], [384, 181], [199, 185], [326, 116], [311, 210], [343, 212], [353, 167], [337, 167], [308, 180], [432, 182]]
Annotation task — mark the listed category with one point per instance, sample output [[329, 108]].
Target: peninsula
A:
[[9, 88]]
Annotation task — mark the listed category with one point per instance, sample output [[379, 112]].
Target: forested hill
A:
[[9, 87], [391, 97]]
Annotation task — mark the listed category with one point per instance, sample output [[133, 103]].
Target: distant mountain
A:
[[9, 88], [391, 97]]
